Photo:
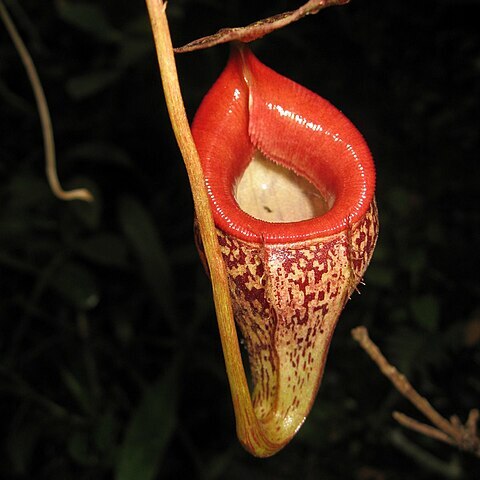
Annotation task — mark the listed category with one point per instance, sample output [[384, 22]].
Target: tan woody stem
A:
[[249, 430]]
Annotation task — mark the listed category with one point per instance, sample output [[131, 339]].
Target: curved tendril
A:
[[45, 120]]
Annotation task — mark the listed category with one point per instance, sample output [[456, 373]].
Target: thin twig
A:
[[259, 28], [422, 428], [451, 432], [45, 120]]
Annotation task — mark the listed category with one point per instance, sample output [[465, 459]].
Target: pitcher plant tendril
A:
[[46, 122], [286, 222]]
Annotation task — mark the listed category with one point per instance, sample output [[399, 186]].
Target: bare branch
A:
[[422, 428], [451, 432], [260, 28]]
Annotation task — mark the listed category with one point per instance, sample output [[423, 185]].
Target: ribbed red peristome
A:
[[252, 107]]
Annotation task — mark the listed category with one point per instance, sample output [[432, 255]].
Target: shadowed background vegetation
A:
[[110, 361]]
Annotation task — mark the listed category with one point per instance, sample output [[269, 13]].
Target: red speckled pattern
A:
[[287, 299]]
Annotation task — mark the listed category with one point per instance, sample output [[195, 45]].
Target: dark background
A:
[[110, 360]]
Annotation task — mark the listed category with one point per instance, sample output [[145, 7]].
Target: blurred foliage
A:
[[110, 362]]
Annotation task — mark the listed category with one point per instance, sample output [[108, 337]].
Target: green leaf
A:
[[105, 249], [380, 276], [415, 262], [80, 451], [122, 326], [26, 191], [400, 200], [76, 285], [77, 391], [133, 51], [105, 436], [140, 231], [88, 17], [90, 84], [426, 311], [219, 465], [149, 431], [20, 445], [99, 152], [404, 349], [140, 25], [88, 213]]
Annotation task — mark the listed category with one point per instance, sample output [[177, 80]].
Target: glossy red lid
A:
[[250, 107]]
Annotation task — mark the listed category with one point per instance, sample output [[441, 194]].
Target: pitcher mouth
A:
[[293, 128], [272, 193]]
